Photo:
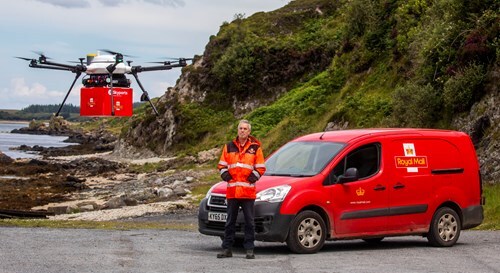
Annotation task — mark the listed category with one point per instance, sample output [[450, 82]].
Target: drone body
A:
[[97, 64], [106, 90]]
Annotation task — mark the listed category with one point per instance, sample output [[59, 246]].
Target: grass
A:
[[491, 208], [104, 225], [113, 125], [200, 190], [148, 167]]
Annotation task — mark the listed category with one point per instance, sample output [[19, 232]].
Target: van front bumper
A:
[[270, 225]]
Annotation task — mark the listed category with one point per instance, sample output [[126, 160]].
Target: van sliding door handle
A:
[[398, 186], [379, 188]]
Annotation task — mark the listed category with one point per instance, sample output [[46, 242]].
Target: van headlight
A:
[[210, 190], [274, 194]]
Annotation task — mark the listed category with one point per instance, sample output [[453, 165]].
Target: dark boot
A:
[[226, 253], [250, 254]]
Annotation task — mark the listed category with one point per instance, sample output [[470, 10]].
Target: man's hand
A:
[[226, 176], [252, 178]]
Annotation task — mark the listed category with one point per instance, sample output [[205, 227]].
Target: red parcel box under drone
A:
[[97, 101]]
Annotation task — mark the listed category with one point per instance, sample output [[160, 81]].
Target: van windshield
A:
[[301, 158]]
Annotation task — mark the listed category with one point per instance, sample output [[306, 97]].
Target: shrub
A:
[[266, 118], [416, 105], [363, 110], [358, 15], [196, 122], [463, 89]]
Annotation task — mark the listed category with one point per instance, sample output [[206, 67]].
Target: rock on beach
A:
[[5, 159], [82, 182]]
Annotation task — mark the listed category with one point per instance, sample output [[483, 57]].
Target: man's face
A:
[[243, 131]]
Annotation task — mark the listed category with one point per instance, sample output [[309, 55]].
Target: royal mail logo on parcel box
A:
[[96, 101]]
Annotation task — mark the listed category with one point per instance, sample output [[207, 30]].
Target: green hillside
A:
[[357, 63]]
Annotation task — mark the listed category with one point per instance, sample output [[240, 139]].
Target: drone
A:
[[106, 90]]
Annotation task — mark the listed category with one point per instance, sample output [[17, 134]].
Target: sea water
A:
[[9, 140]]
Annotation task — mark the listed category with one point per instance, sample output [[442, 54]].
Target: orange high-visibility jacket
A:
[[241, 162]]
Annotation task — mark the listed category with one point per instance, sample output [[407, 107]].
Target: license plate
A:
[[217, 216]]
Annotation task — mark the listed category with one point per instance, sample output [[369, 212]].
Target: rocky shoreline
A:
[[89, 182]]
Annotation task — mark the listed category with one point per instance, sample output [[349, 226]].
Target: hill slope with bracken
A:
[[317, 64]]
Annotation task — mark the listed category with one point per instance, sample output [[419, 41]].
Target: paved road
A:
[[78, 250]]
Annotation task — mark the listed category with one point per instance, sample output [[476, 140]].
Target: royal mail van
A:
[[361, 184]]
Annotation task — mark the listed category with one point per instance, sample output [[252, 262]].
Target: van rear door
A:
[[412, 187]]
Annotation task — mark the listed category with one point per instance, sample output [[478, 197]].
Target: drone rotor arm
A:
[[70, 67], [35, 65], [139, 69]]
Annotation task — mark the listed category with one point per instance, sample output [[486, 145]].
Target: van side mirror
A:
[[350, 175]]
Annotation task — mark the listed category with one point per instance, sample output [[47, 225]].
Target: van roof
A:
[[355, 134]]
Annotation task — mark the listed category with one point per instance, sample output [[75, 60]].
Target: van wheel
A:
[[307, 233], [445, 228], [374, 240]]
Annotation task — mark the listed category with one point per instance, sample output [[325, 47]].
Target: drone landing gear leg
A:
[[78, 73], [145, 94], [111, 94]]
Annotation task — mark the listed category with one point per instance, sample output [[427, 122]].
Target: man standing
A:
[[241, 165]]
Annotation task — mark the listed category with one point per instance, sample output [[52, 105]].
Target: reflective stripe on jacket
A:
[[241, 162]]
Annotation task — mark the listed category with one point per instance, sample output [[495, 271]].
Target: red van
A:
[[361, 184]]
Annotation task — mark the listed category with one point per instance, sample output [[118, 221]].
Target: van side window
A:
[[365, 158]]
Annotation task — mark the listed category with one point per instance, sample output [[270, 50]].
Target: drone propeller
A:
[[23, 58], [33, 62], [172, 61], [183, 61], [176, 59], [40, 53], [42, 57], [116, 53]]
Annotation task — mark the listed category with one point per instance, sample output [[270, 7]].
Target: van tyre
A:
[[445, 228], [307, 233]]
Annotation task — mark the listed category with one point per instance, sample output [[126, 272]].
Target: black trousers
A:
[[247, 206]]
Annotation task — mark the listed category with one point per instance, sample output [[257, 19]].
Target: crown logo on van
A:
[[360, 192]]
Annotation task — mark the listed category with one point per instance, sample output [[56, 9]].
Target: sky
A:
[[65, 30]]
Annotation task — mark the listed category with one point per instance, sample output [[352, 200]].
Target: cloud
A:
[[167, 3], [21, 94], [20, 89], [67, 4], [171, 3], [111, 3]]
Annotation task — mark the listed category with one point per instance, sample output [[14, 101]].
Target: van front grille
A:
[[218, 201]]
